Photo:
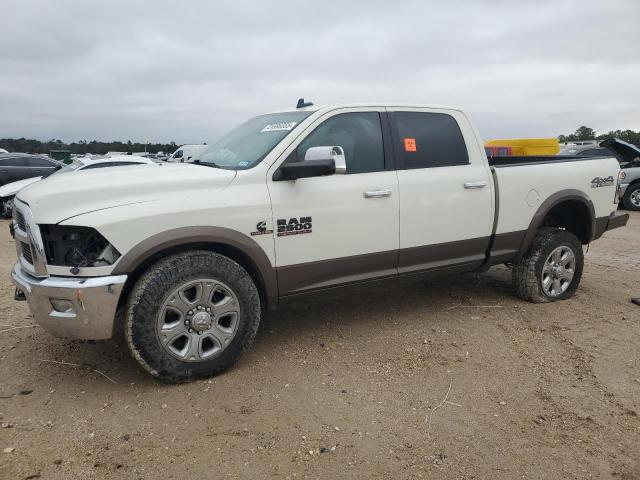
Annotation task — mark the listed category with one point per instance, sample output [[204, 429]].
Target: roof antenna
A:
[[302, 103]]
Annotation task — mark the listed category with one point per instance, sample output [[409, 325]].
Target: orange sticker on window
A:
[[410, 145]]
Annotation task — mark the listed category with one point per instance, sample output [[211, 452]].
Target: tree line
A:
[[586, 133], [30, 145]]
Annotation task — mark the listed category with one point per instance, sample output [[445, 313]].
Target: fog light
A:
[[62, 306]]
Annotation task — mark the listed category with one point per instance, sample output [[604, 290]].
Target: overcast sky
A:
[[187, 71]]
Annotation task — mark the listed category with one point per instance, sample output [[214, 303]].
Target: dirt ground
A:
[[351, 386]]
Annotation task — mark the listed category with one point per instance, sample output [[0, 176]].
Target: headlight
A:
[[71, 246]]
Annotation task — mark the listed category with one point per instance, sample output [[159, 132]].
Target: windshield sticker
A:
[[274, 127], [243, 164]]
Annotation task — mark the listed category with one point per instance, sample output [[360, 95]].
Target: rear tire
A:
[[191, 315], [631, 198], [551, 269]]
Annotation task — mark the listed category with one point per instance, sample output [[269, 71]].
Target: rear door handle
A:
[[377, 193], [472, 185]]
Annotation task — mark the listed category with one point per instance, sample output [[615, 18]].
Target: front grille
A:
[[26, 252], [22, 225]]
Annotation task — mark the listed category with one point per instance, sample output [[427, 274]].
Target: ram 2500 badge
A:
[[182, 260]]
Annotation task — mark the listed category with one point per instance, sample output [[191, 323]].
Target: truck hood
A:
[[625, 152], [60, 197]]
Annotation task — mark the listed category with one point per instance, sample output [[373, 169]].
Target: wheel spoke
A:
[[224, 327], [191, 294], [557, 287], [208, 288], [225, 306], [557, 255], [173, 317], [546, 283], [567, 258], [209, 345], [171, 334], [182, 305], [192, 349], [566, 274]]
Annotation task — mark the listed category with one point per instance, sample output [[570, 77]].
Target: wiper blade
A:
[[207, 164]]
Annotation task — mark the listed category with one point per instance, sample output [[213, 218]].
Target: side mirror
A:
[[334, 153], [318, 162]]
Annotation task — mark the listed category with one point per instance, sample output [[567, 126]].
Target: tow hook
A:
[[19, 295]]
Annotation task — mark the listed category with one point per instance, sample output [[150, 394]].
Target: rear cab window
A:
[[427, 140]]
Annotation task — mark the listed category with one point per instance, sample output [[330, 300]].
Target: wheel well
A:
[[233, 253], [572, 215]]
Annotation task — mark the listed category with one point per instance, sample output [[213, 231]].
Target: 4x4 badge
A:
[[261, 229]]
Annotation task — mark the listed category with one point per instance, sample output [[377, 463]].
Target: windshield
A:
[[75, 165], [249, 143]]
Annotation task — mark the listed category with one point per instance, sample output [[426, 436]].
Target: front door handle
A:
[[472, 185], [377, 193]]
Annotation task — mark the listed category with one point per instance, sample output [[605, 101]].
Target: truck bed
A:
[[513, 161]]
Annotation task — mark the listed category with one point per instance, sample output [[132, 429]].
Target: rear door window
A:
[[427, 140], [14, 162]]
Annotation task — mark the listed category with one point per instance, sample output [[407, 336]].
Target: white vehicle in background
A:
[[9, 191], [187, 153], [2, 150]]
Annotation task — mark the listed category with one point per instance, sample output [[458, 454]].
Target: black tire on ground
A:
[[528, 271], [152, 290], [626, 199], [7, 207]]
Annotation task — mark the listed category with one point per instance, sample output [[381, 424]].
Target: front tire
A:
[[551, 269], [7, 207], [631, 198], [191, 315]]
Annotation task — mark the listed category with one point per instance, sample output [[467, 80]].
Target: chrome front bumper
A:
[[82, 308]]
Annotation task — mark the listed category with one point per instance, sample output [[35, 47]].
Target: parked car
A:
[[186, 257], [18, 166], [591, 150], [629, 157], [187, 153], [9, 190]]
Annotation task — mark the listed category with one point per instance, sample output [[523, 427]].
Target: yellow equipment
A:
[[528, 146]]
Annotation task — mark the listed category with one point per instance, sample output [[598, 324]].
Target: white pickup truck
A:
[[183, 259]]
